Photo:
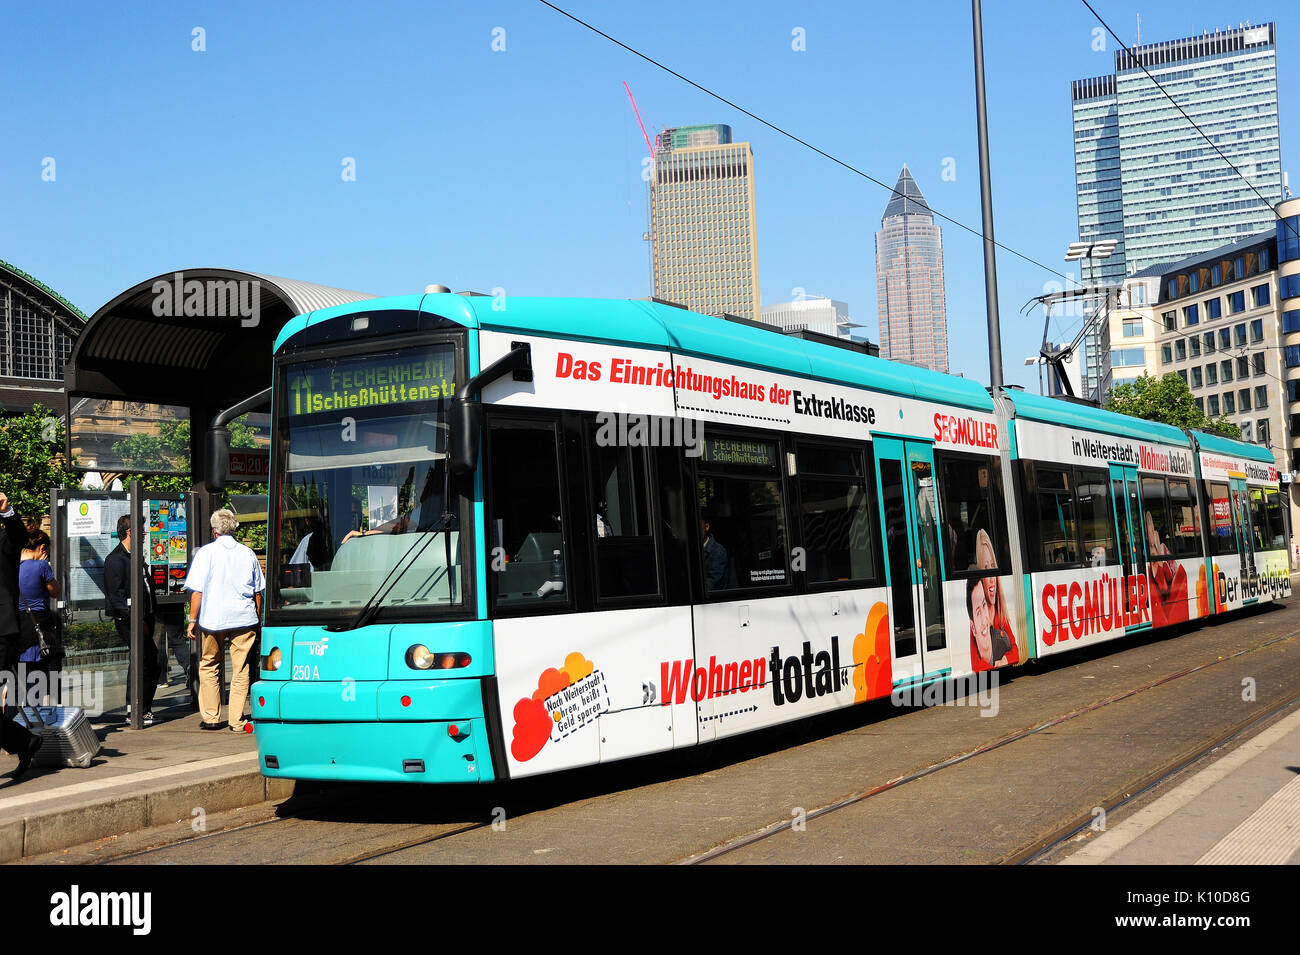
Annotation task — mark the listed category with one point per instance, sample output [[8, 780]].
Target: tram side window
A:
[[973, 513], [1222, 539], [1259, 520], [1095, 517], [624, 535], [1055, 520], [525, 516], [836, 529], [742, 514], [1155, 505], [1186, 526], [1276, 536]]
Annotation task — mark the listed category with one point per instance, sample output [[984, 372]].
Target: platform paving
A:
[[140, 778], [1242, 809]]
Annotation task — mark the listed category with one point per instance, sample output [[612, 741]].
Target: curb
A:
[[87, 819]]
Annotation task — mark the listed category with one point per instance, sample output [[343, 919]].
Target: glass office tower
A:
[[1146, 178]]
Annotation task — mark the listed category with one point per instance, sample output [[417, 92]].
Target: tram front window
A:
[[360, 467]]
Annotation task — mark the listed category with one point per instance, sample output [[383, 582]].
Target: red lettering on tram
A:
[[682, 678], [1079, 609], [967, 431]]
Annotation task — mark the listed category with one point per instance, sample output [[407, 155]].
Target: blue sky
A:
[[520, 169]]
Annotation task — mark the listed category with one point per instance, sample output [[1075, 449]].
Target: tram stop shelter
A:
[[182, 345], [171, 352]]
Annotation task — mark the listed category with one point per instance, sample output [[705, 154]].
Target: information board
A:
[[89, 532], [91, 535]]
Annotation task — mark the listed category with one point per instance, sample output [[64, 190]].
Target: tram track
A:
[[151, 850], [410, 844], [1040, 847]]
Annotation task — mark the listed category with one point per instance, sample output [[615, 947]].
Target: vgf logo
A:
[[315, 648], [78, 908]]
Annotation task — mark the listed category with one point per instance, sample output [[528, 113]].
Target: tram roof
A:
[[1218, 444], [654, 325], [1054, 411]]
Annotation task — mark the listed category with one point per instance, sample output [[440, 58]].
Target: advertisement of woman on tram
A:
[[992, 644], [981, 600]]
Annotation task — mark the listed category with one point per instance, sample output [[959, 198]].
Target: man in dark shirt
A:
[[117, 590], [16, 740]]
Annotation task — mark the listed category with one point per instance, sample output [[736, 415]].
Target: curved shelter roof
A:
[[196, 337]]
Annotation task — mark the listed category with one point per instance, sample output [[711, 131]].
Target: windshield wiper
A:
[[371, 607]]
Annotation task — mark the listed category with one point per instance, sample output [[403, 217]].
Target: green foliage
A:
[[1169, 400], [31, 460], [92, 635]]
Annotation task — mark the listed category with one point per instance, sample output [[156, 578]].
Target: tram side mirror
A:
[[466, 426], [218, 458]]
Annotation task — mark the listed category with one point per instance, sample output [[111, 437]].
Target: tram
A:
[[510, 537]]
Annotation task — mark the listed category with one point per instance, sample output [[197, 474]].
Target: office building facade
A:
[[1228, 323], [910, 292], [703, 227], [1146, 178], [1288, 305]]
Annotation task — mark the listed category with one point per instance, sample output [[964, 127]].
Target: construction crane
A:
[[649, 143]]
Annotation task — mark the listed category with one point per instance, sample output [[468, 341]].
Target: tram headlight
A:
[[419, 657], [271, 661]]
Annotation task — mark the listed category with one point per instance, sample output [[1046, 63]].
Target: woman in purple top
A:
[[36, 584]]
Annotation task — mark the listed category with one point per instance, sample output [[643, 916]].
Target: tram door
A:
[[910, 520], [1130, 534], [1240, 510]]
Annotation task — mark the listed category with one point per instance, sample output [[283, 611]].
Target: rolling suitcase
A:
[[66, 734]]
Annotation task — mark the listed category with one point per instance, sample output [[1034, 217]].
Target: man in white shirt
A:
[[226, 584]]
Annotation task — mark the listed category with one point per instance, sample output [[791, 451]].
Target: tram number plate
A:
[[302, 671]]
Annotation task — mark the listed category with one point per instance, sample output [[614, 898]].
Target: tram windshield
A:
[[361, 448]]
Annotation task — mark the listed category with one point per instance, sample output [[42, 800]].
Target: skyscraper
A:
[[1145, 177], [909, 280], [702, 224]]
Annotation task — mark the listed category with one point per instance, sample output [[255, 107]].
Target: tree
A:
[[31, 460], [1166, 399]]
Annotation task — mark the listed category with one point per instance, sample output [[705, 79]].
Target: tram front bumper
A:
[[394, 731]]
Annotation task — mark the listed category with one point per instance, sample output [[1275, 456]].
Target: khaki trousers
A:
[[242, 642]]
